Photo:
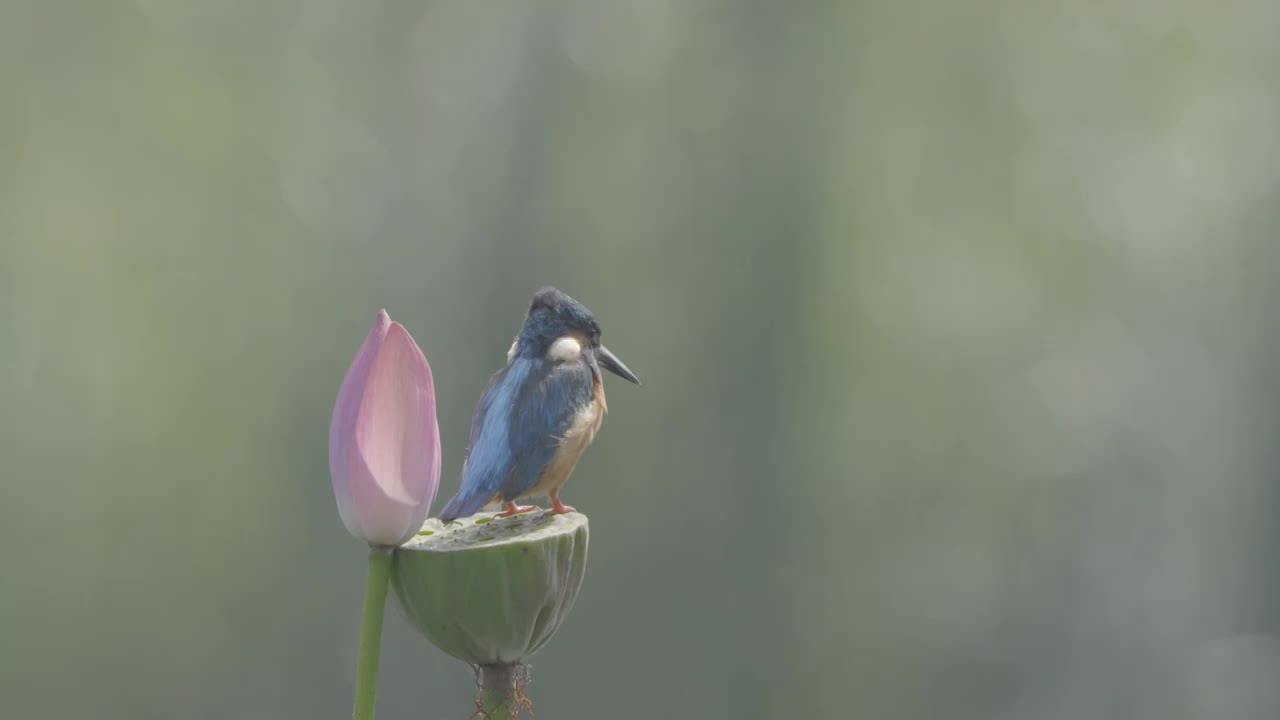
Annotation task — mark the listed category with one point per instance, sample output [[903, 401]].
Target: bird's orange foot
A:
[[514, 509], [559, 508]]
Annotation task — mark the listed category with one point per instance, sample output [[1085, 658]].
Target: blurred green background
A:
[[957, 321]]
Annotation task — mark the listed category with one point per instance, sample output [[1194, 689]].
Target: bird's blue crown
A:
[[552, 315]]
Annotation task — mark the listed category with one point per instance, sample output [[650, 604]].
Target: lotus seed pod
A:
[[492, 590]]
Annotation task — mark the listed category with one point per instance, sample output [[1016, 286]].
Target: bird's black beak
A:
[[610, 362]]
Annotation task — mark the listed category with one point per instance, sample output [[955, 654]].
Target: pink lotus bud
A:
[[384, 443]]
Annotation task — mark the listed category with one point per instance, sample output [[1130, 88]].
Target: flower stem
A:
[[375, 601], [500, 697]]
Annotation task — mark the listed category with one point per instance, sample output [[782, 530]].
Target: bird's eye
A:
[[595, 339]]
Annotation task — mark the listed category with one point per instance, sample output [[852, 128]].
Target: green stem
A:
[[499, 699], [375, 602]]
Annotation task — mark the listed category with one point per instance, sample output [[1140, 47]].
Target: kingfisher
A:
[[539, 412]]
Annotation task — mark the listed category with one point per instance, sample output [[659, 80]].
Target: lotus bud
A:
[[384, 443]]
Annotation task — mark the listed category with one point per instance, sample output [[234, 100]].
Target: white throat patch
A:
[[564, 349]]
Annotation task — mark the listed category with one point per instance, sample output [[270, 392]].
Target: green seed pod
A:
[[492, 590]]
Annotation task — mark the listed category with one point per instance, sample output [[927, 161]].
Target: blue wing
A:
[[546, 408], [489, 457]]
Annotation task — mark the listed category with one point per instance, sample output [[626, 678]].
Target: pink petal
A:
[[398, 441], [345, 414]]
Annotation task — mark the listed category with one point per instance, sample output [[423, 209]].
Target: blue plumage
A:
[[489, 458], [540, 411]]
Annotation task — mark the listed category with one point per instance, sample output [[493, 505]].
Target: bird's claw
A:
[[514, 509], [559, 508]]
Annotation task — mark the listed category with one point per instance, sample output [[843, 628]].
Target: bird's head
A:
[[559, 328]]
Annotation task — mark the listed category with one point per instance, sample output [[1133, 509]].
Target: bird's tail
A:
[[463, 506]]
